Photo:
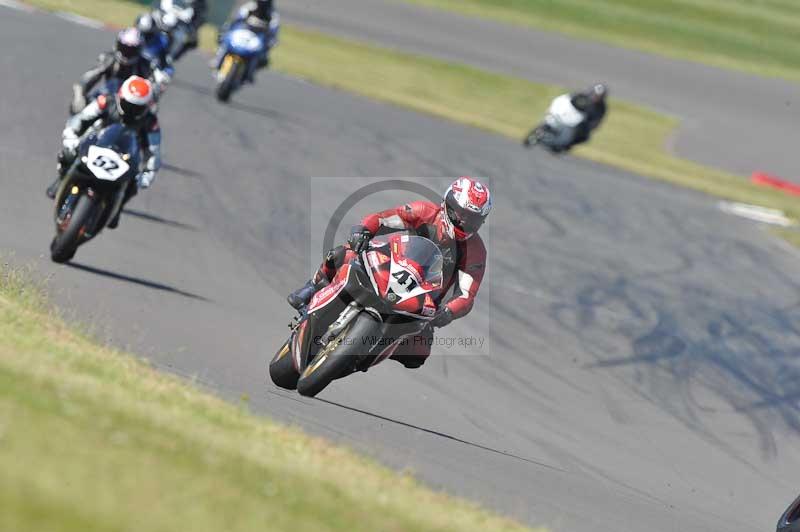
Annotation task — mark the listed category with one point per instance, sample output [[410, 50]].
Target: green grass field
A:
[[758, 36], [91, 439], [633, 138]]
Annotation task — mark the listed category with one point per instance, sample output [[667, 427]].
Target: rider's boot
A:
[[302, 296], [130, 192], [53, 188], [263, 62]]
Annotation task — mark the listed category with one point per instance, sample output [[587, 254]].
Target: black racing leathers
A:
[[109, 69], [595, 111]]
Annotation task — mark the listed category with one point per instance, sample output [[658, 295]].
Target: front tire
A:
[[281, 369], [232, 69], [338, 358], [65, 243], [536, 136], [530, 139]]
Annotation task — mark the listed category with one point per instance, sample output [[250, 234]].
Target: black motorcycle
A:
[[93, 188]]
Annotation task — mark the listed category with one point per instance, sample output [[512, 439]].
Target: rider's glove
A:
[[359, 238], [145, 179], [161, 79], [442, 318], [78, 97], [70, 140]]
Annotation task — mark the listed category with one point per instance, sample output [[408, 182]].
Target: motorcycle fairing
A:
[[114, 138]]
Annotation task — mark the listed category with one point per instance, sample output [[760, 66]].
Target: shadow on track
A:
[[237, 106], [443, 435], [180, 171], [136, 280], [158, 219]]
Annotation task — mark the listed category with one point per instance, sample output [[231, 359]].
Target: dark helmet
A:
[[598, 92], [129, 46], [263, 9]]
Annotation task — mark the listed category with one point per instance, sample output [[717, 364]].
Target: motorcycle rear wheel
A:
[[65, 244], [339, 357]]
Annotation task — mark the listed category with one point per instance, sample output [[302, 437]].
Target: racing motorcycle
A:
[[239, 51], [175, 17], [382, 298], [560, 127], [93, 187]]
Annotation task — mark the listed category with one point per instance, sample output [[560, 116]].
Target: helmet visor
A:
[[127, 54], [131, 111], [467, 220]]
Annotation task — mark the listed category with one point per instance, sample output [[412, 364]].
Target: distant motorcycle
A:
[[239, 52], [559, 130], [93, 188], [376, 301], [175, 17], [790, 520]]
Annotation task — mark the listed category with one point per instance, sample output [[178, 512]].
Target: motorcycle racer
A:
[[155, 49], [113, 68], [166, 17], [133, 107], [592, 103], [453, 225], [261, 17]]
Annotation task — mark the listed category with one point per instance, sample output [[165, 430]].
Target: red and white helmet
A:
[[466, 205], [134, 99]]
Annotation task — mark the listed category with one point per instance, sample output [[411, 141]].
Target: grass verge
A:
[[633, 138], [759, 37], [92, 439]]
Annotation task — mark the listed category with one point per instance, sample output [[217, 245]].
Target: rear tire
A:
[[281, 369], [339, 357], [65, 244]]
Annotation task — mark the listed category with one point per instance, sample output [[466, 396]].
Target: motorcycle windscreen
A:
[[121, 139], [416, 266]]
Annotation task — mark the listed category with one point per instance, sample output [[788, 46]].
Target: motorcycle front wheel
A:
[[532, 138], [339, 357], [230, 73], [67, 240], [281, 368]]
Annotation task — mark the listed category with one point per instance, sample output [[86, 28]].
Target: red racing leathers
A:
[[464, 263]]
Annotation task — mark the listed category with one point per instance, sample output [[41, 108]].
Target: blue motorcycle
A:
[[238, 56]]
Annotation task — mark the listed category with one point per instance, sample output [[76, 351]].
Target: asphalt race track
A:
[[730, 120], [642, 368]]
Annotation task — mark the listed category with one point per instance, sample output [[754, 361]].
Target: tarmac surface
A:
[[640, 359], [730, 120]]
